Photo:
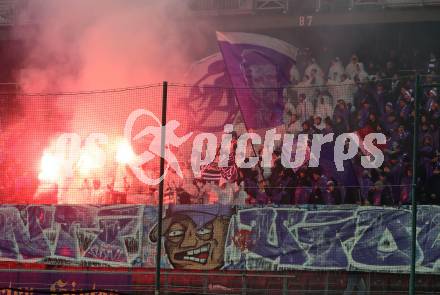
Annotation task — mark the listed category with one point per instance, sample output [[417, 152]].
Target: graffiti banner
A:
[[220, 237]]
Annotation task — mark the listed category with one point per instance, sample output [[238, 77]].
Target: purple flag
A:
[[211, 102], [258, 67]]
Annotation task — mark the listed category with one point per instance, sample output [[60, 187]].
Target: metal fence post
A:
[[161, 187], [243, 284], [412, 278], [285, 285]]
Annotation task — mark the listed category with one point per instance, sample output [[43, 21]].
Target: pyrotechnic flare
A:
[[124, 153], [49, 168]]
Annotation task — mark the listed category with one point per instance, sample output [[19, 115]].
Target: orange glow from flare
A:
[[90, 160]]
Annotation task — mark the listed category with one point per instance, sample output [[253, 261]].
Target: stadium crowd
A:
[[340, 98], [324, 97]]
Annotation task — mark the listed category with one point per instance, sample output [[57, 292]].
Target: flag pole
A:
[[260, 170], [161, 187]]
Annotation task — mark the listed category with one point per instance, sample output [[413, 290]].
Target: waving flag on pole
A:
[[211, 102], [258, 68]]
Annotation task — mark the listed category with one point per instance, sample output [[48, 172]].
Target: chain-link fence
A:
[[245, 188]]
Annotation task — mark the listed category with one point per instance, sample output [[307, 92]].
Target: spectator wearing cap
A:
[[332, 195]]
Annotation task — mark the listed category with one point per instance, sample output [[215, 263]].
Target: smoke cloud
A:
[[101, 44], [87, 45]]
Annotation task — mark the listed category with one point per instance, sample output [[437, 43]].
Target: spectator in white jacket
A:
[[304, 110], [333, 85], [294, 126], [289, 110], [361, 74], [350, 69], [295, 77], [313, 66], [336, 70], [346, 91], [305, 87], [316, 80], [323, 108]]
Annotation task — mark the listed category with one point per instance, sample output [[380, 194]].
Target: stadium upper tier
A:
[[288, 14], [300, 6], [313, 12]]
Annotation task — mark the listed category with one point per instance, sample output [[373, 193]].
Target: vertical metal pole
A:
[[285, 285], [161, 186], [412, 278], [318, 5], [243, 284]]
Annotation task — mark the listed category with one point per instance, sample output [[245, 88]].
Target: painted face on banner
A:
[[190, 244]]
